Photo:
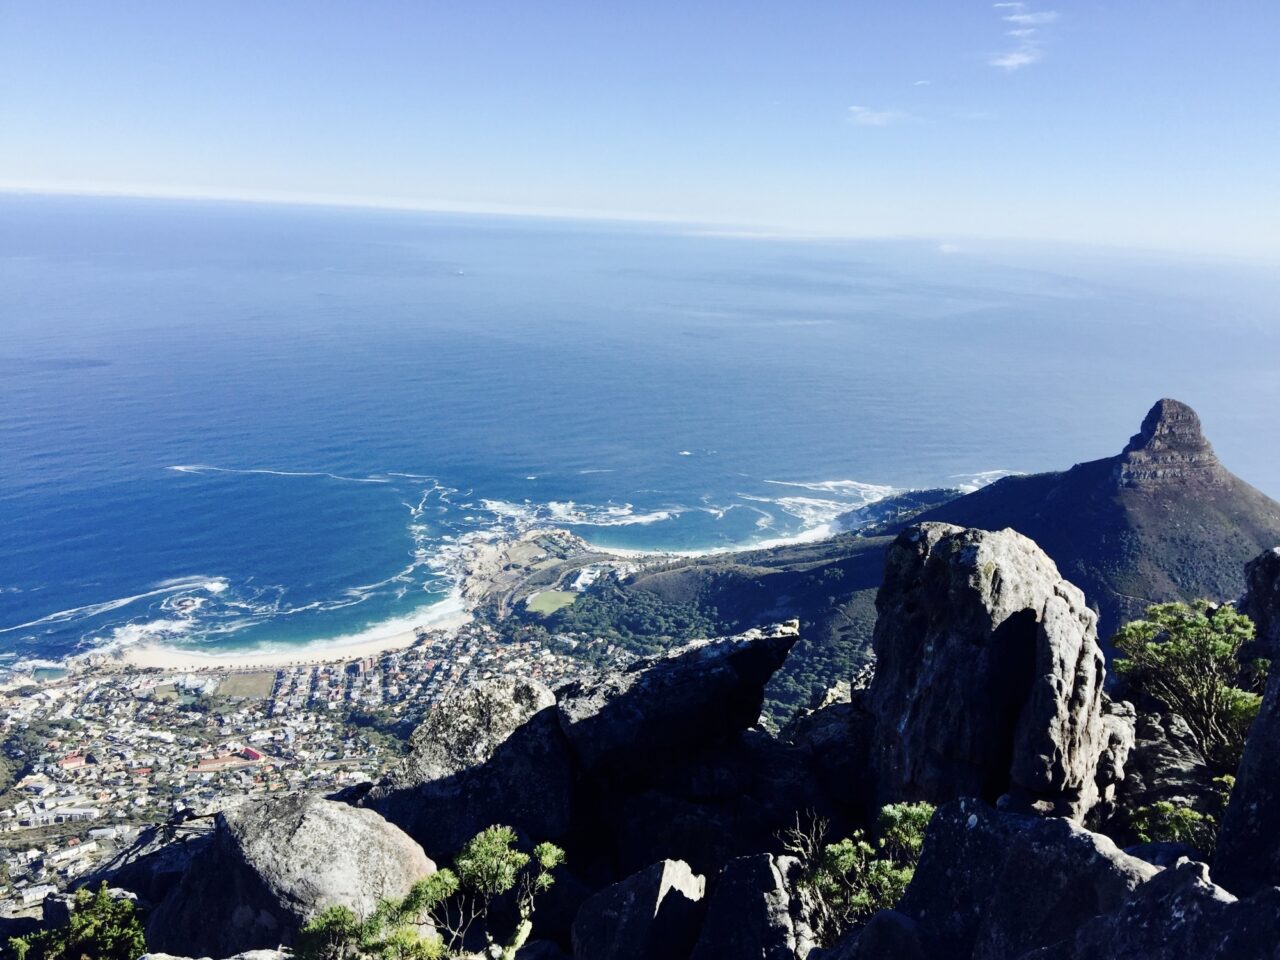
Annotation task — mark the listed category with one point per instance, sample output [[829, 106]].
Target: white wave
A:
[[213, 585], [969, 482], [686, 453], [863, 493], [206, 468], [575, 514]]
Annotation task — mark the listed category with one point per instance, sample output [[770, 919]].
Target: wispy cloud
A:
[[1026, 30], [922, 83], [866, 117]]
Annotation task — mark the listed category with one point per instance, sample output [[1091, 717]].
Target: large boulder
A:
[[488, 753], [756, 913], [1262, 601], [273, 865], [630, 723], [989, 675], [1248, 857], [992, 885], [653, 915], [1180, 914]]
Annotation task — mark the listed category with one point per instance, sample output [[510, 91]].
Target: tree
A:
[[453, 901], [101, 928], [846, 882], [1188, 658]]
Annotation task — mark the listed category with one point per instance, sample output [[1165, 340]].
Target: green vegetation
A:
[[1165, 822], [253, 685], [1187, 656], [453, 901], [641, 622], [547, 602], [101, 928], [846, 882]]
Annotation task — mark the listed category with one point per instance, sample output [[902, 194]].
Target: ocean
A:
[[229, 425]]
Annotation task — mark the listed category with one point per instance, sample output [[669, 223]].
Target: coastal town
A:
[[96, 754]]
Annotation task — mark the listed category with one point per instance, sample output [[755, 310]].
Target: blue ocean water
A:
[[229, 425]]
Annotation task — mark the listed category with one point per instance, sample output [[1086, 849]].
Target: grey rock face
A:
[[754, 913], [1178, 915], [489, 753], [1169, 448], [1165, 764], [887, 935], [991, 885], [1248, 857], [631, 722], [274, 864], [1262, 600], [653, 915], [989, 677]]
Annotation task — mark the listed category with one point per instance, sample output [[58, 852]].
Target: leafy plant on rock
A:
[[845, 882], [1187, 656], [453, 903], [101, 928], [1167, 822]]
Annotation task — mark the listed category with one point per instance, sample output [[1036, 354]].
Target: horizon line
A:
[[689, 226]]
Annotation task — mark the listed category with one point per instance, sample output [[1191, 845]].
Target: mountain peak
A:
[[1169, 447]]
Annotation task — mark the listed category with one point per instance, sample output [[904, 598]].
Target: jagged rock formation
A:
[[1262, 601], [992, 886], [274, 864], [1163, 520], [1248, 857], [989, 675], [489, 753], [1178, 915], [653, 915], [756, 912]]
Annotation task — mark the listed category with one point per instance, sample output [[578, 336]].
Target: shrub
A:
[[1166, 822], [101, 927], [1188, 658], [452, 901], [845, 882]]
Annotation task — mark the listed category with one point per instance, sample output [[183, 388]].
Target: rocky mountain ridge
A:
[[988, 700]]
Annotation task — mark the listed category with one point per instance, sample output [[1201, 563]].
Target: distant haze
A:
[[1137, 124]]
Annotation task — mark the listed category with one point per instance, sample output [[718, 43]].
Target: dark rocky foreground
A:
[[989, 700]]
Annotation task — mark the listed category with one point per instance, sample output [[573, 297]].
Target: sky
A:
[[1145, 123]]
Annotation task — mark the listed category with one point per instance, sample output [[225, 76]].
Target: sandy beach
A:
[[158, 657]]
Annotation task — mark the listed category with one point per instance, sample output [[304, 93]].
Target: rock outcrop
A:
[[1248, 857], [272, 865], [653, 915], [989, 675], [1178, 915], [992, 886], [756, 913], [489, 753], [634, 721], [1261, 602]]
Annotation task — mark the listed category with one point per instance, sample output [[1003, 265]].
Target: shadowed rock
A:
[[989, 675], [489, 753], [1248, 857], [630, 722], [273, 865], [755, 913], [652, 915], [1262, 601]]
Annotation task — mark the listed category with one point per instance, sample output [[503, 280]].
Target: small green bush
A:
[[452, 901], [1165, 822], [845, 882], [101, 928], [1187, 656]]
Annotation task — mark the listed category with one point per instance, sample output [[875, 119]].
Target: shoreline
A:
[[152, 656]]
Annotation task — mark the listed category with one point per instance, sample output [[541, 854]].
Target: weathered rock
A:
[[156, 861], [836, 738], [1177, 915], [1170, 448], [56, 909], [755, 913], [274, 864], [1248, 857], [1165, 764], [989, 675], [489, 753], [635, 721], [1261, 602], [887, 935], [992, 885], [653, 915]]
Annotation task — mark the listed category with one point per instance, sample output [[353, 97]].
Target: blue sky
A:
[[1151, 123]]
